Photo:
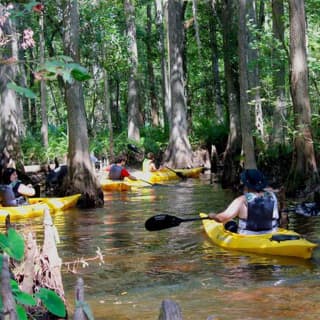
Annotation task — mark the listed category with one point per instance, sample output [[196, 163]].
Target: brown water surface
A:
[[142, 268]]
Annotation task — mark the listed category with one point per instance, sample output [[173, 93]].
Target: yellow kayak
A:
[[25, 211], [281, 243], [190, 173], [58, 203], [114, 185], [166, 174]]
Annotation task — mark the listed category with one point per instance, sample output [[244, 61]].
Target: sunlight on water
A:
[[142, 268]]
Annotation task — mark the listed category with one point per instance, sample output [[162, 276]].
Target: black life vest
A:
[[260, 213]]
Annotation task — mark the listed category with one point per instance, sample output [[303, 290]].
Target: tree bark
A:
[[134, 117], [81, 173], [165, 88], [279, 74], [178, 153], [303, 173], [151, 79], [231, 160], [215, 63], [246, 130], [43, 91], [10, 109]]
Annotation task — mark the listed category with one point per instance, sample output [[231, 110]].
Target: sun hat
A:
[[253, 179]]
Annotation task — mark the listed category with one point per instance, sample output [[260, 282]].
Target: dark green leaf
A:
[[3, 241], [15, 245], [21, 312], [25, 298], [52, 302], [22, 91], [78, 72]]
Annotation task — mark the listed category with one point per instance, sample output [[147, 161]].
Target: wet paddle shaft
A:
[[165, 221]]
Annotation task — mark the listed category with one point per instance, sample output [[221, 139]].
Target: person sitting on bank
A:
[[13, 191], [118, 171], [257, 209], [148, 164]]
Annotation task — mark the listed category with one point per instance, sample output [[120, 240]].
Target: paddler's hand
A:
[[213, 216]]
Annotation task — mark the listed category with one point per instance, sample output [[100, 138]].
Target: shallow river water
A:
[[143, 268]]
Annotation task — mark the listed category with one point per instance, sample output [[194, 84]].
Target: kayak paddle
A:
[[152, 184], [179, 174], [165, 221]]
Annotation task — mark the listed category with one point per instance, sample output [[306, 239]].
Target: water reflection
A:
[[142, 268]]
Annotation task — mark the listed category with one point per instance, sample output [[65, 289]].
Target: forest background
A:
[[171, 77]]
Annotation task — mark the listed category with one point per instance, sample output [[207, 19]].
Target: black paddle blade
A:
[[162, 221]]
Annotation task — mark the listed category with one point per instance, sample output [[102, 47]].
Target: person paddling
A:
[[257, 209], [13, 192], [118, 171], [148, 164]]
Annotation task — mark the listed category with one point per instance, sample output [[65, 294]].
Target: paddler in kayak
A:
[[118, 171], [13, 192], [148, 164], [257, 209]]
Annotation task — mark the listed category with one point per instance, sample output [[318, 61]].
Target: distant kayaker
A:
[[257, 209], [13, 191], [118, 171], [148, 164]]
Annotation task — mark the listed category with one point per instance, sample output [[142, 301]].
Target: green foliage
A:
[[208, 132], [13, 245], [25, 92], [153, 139], [52, 302], [34, 152], [64, 67]]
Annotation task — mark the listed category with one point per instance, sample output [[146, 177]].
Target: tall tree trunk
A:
[[106, 94], [133, 91], [81, 171], [246, 130], [10, 109], [178, 153], [215, 64], [161, 12], [43, 92], [279, 74], [303, 173], [231, 161], [196, 26], [151, 80], [253, 74]]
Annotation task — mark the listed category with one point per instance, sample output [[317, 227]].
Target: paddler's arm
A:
[[231, 212]]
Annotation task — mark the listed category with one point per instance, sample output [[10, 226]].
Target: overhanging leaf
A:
[[15, 246], [21, 312], [78, 72], [21, 90], [25, 298], [52, 302]]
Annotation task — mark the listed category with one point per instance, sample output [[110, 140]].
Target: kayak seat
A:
[[231, 226]]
